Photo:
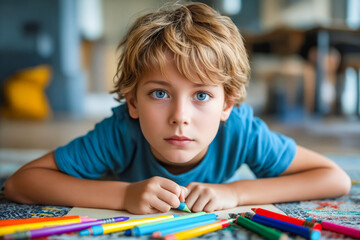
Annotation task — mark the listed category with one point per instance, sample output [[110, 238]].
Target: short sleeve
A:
[[268, 153], [101, 150]]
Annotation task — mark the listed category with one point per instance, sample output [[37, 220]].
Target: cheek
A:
[[150, 121], [209, 121]]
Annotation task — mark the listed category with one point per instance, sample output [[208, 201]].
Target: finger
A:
[[145, 208], [200, 204], [191, 198], [153, 210], [184, 192], [171, 186], [210, 206], [169, 198], [161, 205]]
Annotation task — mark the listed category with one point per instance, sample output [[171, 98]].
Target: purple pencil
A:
[[44, 232]]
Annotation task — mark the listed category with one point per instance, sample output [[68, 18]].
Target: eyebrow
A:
[[164, 83], [157, 82]]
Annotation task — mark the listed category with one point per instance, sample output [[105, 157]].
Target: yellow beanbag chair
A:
[[24, 93]]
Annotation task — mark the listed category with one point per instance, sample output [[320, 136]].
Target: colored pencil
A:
[[10, 222], [184, 207], [264, 231], [282, 217], [190, 218], [173, 219], [44, 232], [348, 231], [195, 232], [284, 226], [30, 226], [175, 229], [117, 227], [131, 232]]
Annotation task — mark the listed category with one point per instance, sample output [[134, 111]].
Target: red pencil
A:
[[282, 217], [10, 222]]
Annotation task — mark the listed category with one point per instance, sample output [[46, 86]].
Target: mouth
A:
[[178, 140]]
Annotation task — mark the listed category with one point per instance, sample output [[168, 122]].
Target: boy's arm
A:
[[41, 182], [309, 176]]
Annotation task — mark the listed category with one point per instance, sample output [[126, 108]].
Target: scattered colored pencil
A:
[[348, 231], [117, 227], [175, 229], [195, 232], [264, 231], [282, 217], [284, 226], [10, 222], [44, 232], [30, 226], [132, 231], [178, 221], [176, 217]]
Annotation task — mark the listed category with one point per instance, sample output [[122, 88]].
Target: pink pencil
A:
[[348, 231]]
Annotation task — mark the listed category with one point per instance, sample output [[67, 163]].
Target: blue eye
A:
[[201, 96], [159, 94]]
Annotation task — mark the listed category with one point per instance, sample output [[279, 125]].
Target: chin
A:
[[179, 159]]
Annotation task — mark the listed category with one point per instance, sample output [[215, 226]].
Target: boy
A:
[[181, 134]]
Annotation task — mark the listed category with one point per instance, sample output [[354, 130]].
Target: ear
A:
[[228, 106], [132, 105]]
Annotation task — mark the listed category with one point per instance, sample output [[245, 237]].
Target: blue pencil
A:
[[183, 207], [175, 229], [284, 226], [146, 230], [130, 232]]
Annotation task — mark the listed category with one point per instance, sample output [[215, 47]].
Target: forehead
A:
[[169, 65], [164, 75]]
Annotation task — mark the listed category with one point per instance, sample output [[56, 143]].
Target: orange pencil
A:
[[10, 222]]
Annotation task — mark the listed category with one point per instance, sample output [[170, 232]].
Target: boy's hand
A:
[[153, 195], [210, 197]]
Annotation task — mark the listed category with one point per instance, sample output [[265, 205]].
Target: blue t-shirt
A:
[[117, 145]]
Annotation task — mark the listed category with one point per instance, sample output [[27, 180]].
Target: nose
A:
[[180, 113]]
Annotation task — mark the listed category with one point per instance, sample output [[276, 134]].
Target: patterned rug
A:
[[11, 210], [344, 210]]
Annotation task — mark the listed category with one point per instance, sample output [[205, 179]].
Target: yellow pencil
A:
[[120, 226], [10, 222], [29, 226], [195, 232]]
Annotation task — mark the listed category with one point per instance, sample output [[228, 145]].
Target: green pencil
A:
[[266, 232]]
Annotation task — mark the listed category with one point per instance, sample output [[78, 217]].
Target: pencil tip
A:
[[186, 209], [242, 214]]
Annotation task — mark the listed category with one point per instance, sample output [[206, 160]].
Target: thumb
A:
[[183, 194]]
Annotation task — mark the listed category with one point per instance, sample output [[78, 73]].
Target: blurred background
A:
[[58, 60]]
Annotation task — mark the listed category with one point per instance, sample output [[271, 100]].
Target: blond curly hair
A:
[[204, 44]]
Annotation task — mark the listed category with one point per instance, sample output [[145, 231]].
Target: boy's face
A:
[[178, 118]]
